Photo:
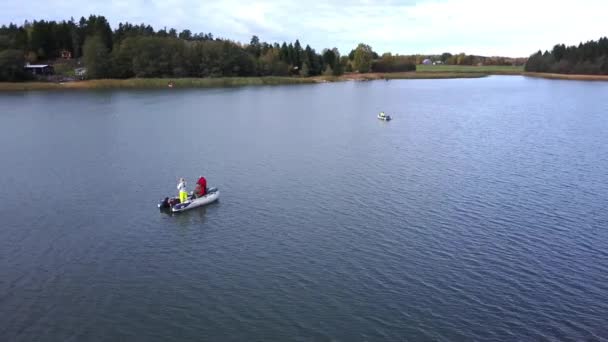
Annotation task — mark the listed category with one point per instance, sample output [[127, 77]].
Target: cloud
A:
[[510, 28]]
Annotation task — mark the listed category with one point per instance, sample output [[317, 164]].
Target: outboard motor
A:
[[165, 203]]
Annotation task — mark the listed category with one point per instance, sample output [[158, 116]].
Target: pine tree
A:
[[298, 54]]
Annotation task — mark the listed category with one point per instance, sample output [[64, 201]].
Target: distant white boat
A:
[[384, 117]]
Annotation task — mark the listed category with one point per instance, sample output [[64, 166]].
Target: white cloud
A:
[[511, 28]]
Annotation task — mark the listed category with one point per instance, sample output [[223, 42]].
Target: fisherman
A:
[[181, 187], [202, 183]]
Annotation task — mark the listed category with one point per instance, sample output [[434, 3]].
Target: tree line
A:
[[140, 51], [590, 58], [464, 59]]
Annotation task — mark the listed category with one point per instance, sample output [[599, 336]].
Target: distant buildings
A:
[[427, 62], [39, 69]]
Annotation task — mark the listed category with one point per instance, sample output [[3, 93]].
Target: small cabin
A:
[[65, 54], [39, 69]]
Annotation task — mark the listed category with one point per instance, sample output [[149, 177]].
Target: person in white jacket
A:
[[181, 187]]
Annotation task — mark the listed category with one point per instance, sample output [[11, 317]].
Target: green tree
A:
[[76, 47], [284, 53], [5, 42], [122, 58], [362, 61], [96, 57], [390, 63], [346, 63], [98, 26], [534, 62], [11, 66], [460, 59], [305, 71], [337, 66], [185, 34], [315, 61], [329, 58], [159, 57], [298, 54], [255, 48], [41, 39], [291, 55], [445, 57], [558, 52], [271, 64]]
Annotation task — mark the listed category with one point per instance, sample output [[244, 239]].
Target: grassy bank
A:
[[485, 69], [567, 76], [397, 76], [433, 72], [423, 72]]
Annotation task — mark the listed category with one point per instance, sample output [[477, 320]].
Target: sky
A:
[[514, 28]]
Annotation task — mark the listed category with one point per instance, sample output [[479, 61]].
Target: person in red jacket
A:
[[202, 186]]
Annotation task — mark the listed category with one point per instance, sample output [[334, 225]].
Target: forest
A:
[[138, 50], [590, 58]]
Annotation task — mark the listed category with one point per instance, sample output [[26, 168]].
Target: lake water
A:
[[479, 213]]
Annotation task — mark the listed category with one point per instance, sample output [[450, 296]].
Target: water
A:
[[478, 213]]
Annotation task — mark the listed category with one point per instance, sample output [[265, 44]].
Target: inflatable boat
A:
[[173, 204]]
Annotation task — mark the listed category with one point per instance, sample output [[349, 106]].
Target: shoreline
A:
[[412, 75], [570, 77], [225, 82], [153, 83]]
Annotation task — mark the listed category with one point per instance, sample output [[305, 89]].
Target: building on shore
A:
[[39, 69], [65, 54]]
